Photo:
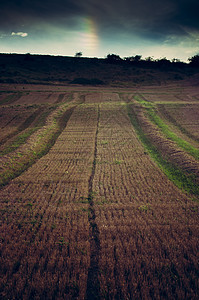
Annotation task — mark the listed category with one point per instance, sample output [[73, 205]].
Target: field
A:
[[99, 192]]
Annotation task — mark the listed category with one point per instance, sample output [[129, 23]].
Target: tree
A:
[[78, 54], [135, 58], [194, 61], [28, 57], [149, 59], [163, 62], [113, 58]]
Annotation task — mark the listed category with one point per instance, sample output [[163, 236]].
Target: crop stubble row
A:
[[179, 107], [34, 135], [46, 217], [184, 116], [144, 222], [16, 116], [147, 229], [165, 146]]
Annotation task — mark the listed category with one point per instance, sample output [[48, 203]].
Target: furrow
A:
[[93, 287]]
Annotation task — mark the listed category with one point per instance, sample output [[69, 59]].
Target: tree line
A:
[[150, 61]]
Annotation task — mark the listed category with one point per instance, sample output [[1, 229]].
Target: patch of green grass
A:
[[166, 130], [185, 182], [171, 135], [117, 162], [104, 142], [144, 208], [22, 138], [18, 141]]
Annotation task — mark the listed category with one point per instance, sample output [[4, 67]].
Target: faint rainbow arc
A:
[[88, 37]]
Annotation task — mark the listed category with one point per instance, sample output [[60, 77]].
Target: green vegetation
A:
[[117, 162], [20, 139], [165, 128], [104, 142], [174, 122], [19, 163], [176, 175], [144, 208]]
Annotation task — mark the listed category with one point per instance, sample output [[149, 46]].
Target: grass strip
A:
[[183, 181], [22, 161], [27, 132], [165, 129], [20, 140], [173, 121]]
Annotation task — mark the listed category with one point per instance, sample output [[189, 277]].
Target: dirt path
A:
[[93, 288]]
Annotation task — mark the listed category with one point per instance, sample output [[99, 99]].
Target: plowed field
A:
[[86, 211]]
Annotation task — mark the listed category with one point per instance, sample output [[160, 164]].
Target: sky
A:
[[155, 28]]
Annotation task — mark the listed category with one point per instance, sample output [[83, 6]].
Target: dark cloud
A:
[[147, 18]]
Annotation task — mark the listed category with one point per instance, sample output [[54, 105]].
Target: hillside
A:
[[45, 69]]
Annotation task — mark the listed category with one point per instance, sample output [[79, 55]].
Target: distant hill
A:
[[46, 69]]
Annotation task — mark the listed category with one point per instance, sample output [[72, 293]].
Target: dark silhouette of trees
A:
[[164, 61], [78, 54], [113, 58], [28, 57], [149, 62], [135, 59], [194, 61]]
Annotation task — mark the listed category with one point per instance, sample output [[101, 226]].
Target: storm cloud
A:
[[168, 21], [158, 17]]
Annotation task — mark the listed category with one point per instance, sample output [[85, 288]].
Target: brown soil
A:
[[96, 218]]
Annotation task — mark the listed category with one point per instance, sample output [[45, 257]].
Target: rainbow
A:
[[88, 36]]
